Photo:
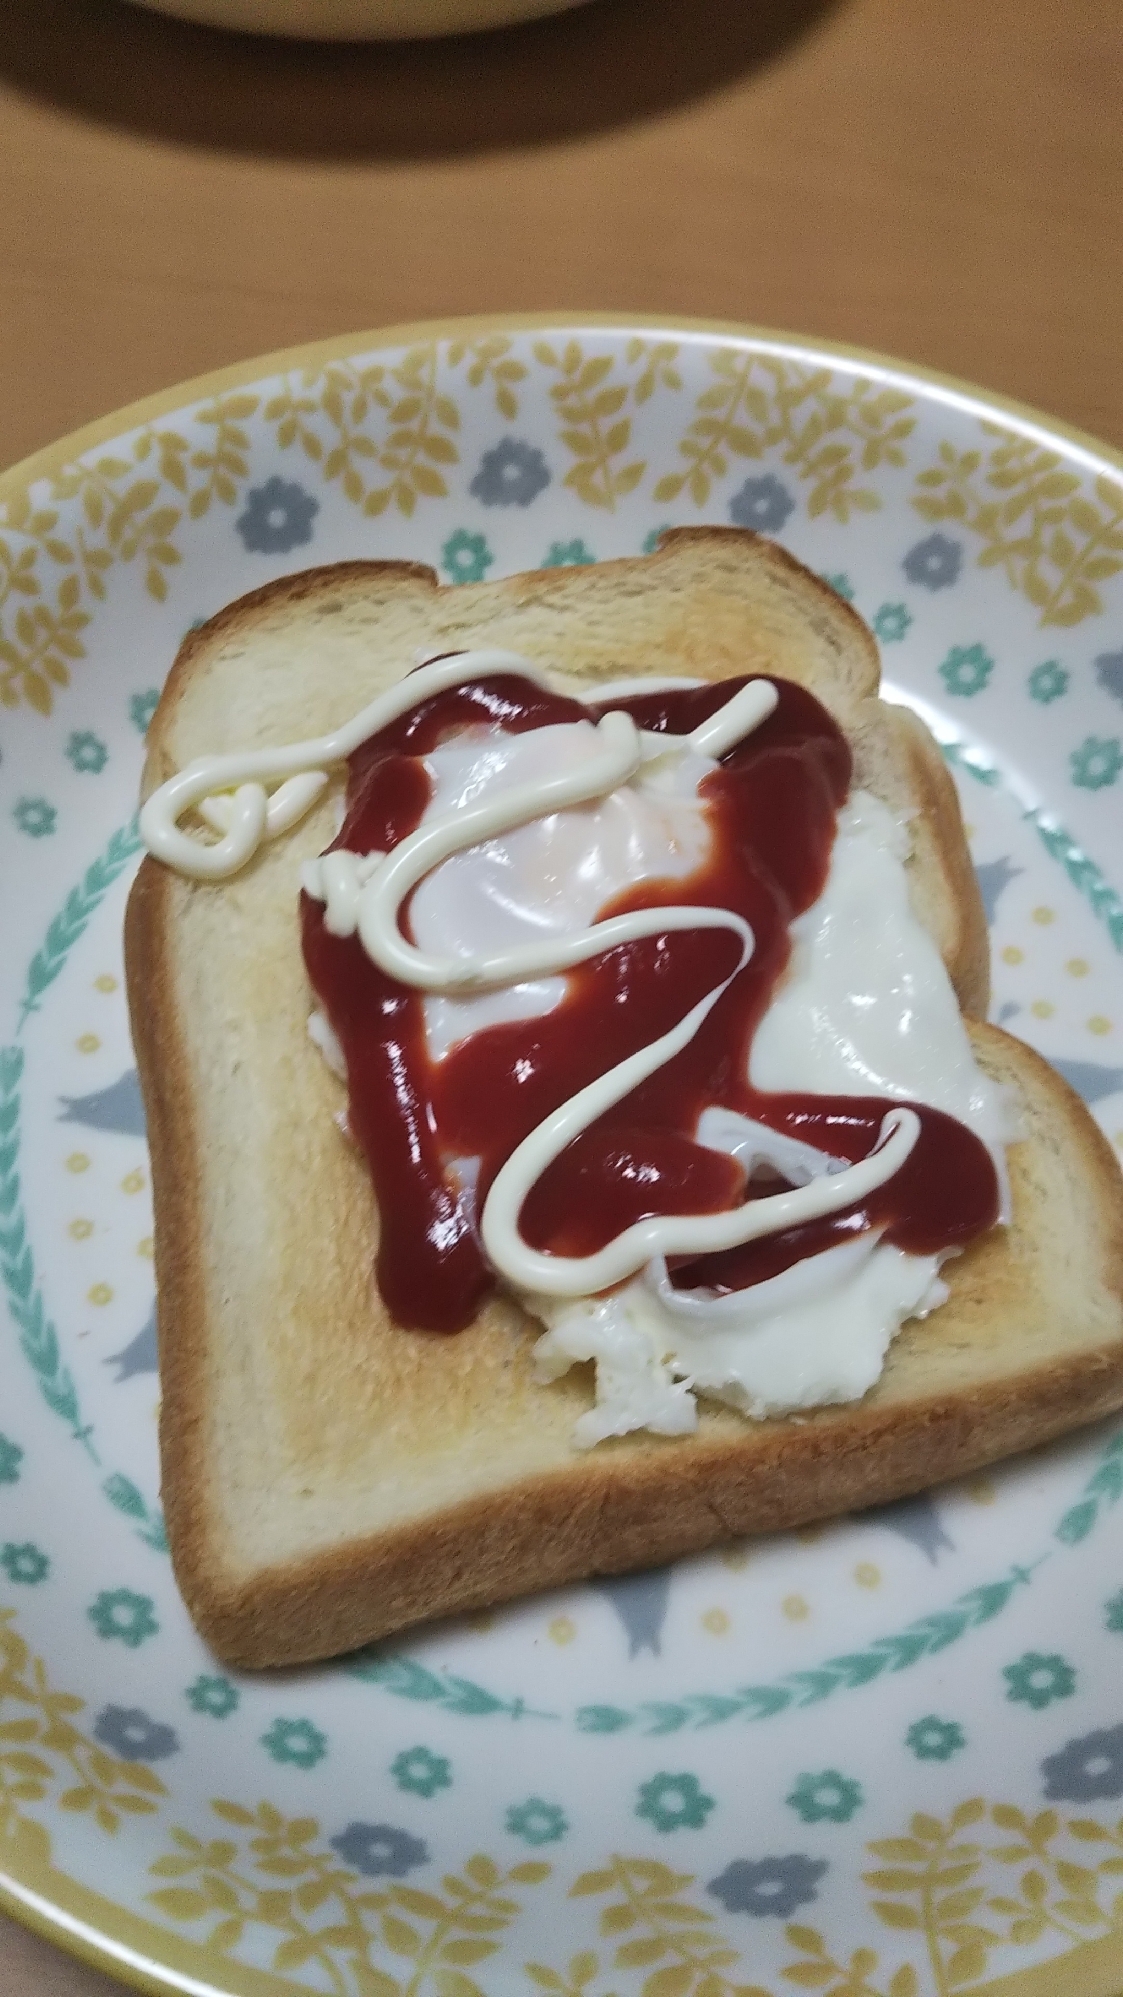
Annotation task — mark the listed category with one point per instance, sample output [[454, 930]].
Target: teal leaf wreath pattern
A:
[[405, 1678], [70, 922], [1084, 874], [123, 1494], [962, 757], [1103, 1489], [37, 1335], [798, 1689], [1086, 877]]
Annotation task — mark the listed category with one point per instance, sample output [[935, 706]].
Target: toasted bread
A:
[[330, 1478]]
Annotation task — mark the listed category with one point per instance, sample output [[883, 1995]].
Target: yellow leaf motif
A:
[[586, 406], [379, 419], [1052, 539], [491, 360], [83, 1777], [761, 404], [895, 1916], [180, 1902], [592, 1882], [233, 1813], [674, 1981], [232, 1878]]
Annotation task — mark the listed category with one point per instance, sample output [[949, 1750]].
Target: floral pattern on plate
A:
[[881, 1756]]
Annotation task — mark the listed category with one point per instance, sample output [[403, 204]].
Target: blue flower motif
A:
[[124, 1617], [24, 1563], [537, 1822], [11, 1456], [768, 1885], [1109, 672], [129, 1733], [35, 816], [297, 1741], [567, 555], [1097, 762], [1047, 682], [827, 1798], [934, 563], [216, 1697], [142, 706], [1036, 1681], [891, 622], [420, 1772], [1113, 1612], [674, 1802], [378, 1851], [1086, 1769], [651, 541], [841, 585], [966, 669], [935, 1740], [762, 503], [278, 517], [87, 752], [467, 557], [510, 474]]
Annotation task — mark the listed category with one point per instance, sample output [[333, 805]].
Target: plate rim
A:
[[40, 1897], [952, 389]]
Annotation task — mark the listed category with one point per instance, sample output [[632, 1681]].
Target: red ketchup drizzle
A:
[[772, 807]]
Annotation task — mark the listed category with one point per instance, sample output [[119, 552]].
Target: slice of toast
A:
[[330, 1478]]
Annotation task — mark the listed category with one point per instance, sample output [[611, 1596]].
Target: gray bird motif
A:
[[915, 1519], [993, 876], [118, 1108], [640, 1601], [139, 1356], [1090, 1079]]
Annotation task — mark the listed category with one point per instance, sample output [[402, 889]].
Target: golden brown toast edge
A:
[[615, 1509]]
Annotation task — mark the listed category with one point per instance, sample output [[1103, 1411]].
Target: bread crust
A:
[[965, 945], [946, 1404]]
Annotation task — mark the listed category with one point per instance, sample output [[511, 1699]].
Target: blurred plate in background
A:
[[358, 20]]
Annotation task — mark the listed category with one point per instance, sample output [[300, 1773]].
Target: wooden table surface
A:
[[943, 182]]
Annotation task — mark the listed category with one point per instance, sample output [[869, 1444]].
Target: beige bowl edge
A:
[[357, 20]]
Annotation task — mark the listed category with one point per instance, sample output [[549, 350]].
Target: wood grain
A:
[[941, 182]]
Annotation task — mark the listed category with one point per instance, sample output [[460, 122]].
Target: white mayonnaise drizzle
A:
[[370, 901], [250, 815], [364, 892]]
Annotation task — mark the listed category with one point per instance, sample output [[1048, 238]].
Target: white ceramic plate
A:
[[881, 1759]]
